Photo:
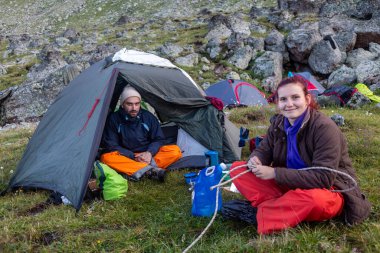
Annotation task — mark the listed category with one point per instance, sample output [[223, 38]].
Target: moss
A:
[[16, 74]]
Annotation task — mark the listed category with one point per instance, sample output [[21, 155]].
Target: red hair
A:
[[302, 83]]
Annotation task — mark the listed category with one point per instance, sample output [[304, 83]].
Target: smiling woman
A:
[[299, 137]]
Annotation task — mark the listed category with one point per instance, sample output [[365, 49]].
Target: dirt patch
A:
[[48, 238]]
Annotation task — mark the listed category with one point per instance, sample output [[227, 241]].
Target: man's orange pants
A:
[[279, 208], [165, 156]]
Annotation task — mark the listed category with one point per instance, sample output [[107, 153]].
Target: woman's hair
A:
[[301, 82]]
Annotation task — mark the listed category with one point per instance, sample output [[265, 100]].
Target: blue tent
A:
[[314, 86], [236, 93]]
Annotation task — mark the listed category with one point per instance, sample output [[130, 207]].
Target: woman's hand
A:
[[253, 162], [264, 172]]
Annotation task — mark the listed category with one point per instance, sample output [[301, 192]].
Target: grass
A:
[[156, 217]]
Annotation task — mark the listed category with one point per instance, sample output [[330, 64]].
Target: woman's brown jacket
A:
[[320, 143]]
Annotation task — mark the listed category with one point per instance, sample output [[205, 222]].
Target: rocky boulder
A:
[[342, 76], [368, 72], [268, 65], [189, 60], [367, 32], [300, 42], [325, 57], [302, 6], [357, 56], [30, 101], [275, 42], [169, 50], [241, 57]]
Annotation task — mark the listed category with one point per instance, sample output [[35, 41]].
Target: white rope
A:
[[212, 219], [249, 170]]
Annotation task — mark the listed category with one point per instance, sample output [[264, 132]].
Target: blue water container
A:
[[204, 199], [213, 157]]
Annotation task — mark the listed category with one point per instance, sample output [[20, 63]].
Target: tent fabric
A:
[[62, 150], [236, 93], [314, 86], [363, 89]]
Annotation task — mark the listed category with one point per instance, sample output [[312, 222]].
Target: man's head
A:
[[130, 100]]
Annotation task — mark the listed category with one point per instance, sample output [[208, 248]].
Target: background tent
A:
[[314, 86], [236, 92], [61, 152]]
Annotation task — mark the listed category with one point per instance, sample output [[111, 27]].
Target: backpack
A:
[[342, 93], [112, 184]]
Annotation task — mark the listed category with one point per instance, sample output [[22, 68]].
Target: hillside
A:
[[44, 44]]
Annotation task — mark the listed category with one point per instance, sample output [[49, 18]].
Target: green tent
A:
[[61, 153]]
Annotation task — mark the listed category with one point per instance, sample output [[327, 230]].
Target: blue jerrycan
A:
[[204, 199]]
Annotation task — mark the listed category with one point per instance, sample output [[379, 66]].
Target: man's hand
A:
[[145, 157]]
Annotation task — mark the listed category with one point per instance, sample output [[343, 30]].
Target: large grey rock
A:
[[324, 58], [213, 47], [256, 44], [364, 10], [236, 40], [170, 50], [368, 72], [18, 44], [333, 8], [239, 25], [72, 35], [275, 42], [302, 6], [358, 100], [345, 40], [257, 28], [374, 87], [189, 60], [219, 32], [233, 75], [62, 41], [375, 48], [335, 25], [69, 72], [367, 31], [357, 56], [300, 42], [30, 101], [241, 57], [268, 65], [342, 76]]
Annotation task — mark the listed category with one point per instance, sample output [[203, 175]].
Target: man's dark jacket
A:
[[130, 135], [320, 143]]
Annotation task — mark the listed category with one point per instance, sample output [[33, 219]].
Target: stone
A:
[[338, 119], [275, 42], [189, 60], [300, 43], [241, 57], [268, 65], [325, 57], [358, 100], [368, 72], [342, 76], [357, 56], [233, 75]]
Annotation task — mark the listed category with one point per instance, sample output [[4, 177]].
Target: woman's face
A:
[[292, 101]]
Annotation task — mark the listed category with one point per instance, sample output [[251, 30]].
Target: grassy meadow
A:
[[156, 217]]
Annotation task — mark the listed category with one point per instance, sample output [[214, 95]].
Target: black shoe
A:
[[239, 210], [156, 174]]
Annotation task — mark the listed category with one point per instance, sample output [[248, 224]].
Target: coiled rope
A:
[[249, 170]]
